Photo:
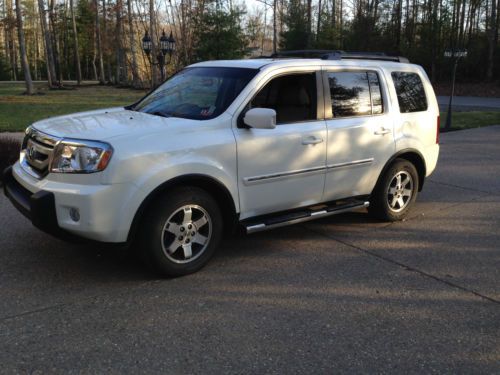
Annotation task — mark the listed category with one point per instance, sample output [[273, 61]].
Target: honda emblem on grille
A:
[[30, 151]]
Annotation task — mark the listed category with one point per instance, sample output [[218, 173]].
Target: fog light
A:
[[74, 214]]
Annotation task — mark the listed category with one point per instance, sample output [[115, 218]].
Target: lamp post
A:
[[167, 47], [456, 55]]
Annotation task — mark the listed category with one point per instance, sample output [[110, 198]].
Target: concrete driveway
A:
[[344, 294]]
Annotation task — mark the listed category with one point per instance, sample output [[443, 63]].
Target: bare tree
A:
[[104, 40], [152, 30], [75, 43], [135, 73], [318, 27], [492, 38], [11, 47], [118, 41], [309, 22], [275, 32], [55, 42], [102, 80], [49, 54], [22, 47]]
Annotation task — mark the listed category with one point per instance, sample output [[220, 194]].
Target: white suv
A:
[[258, 143]]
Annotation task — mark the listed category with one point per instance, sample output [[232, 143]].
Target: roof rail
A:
[[304, 53], [338, 55], [381, 56]]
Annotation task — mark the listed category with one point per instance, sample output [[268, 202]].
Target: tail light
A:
[[437, 129]]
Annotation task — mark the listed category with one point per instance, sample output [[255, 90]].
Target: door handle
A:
[[312, 140], [382, 131]]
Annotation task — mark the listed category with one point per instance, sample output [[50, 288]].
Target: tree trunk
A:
[[75, 43], [398, 22], [341, 24], [65, 47], [22, 47], [102, 80], [94, 58], [11, 47], [275, 32], [104, 41], [135, 73], [55, 44], [309, 22], [118, 41], [49, 54], [319, 20], [152, 29], [334, 14], [492, 36]]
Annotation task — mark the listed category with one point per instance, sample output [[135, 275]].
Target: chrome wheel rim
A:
[[400, 191], [186, 234]]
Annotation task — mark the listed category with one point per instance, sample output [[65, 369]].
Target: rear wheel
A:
[[181, 231], [395, 192]]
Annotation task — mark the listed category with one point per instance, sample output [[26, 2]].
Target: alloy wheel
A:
[[186, 234]]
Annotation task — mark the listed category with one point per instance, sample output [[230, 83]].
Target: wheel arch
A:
[[214, 187], [414, 157]]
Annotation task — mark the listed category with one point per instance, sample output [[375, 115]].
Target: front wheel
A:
[[181, 231], [395, 192]]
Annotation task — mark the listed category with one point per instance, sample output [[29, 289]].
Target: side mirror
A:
[[260, 118]]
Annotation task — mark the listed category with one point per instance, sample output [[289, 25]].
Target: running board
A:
[[300, 217]]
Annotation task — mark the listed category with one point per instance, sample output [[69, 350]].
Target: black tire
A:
[[166, 216], [386, 206]]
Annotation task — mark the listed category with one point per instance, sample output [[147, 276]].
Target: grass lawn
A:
[[469, 120], [17, 111]]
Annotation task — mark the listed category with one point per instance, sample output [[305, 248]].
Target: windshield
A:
[[197, 93]]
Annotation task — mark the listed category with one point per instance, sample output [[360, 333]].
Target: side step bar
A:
[[300, 217]]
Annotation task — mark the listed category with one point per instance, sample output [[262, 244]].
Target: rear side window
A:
[[355, 94], [410, 91]]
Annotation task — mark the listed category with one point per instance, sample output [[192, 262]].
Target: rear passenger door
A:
[[360, 131]]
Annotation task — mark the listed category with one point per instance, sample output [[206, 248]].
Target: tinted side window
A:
[[355, 94], [293, 97], [350, 94], [410, 91]]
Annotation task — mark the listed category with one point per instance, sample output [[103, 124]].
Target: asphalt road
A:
[[340, 295], [469, 103]]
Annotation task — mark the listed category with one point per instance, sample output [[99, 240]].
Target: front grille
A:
[[36, 153]]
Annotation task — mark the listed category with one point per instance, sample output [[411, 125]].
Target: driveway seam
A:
[[405, 266], [43, 309]]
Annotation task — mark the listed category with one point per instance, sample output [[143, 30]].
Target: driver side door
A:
[[284, 167]]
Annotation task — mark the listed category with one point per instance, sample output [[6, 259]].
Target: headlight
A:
[[75, 156]]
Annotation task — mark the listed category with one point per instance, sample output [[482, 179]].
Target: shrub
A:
[[9, 151]]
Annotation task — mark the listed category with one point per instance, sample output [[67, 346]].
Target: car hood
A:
[[102, 124]]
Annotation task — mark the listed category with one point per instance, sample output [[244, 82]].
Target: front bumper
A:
[[39, 207], [105, 212]]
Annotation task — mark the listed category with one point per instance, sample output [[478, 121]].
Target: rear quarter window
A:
[[410, 92]]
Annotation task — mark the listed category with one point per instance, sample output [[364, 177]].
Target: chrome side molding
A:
[[350, 164], [300, 172]]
